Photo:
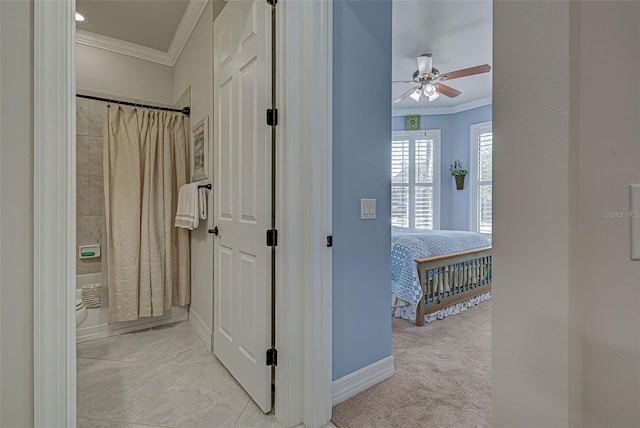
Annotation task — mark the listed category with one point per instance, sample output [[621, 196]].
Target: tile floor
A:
[[160, 377]]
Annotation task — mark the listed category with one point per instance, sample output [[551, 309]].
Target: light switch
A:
[[367, 209], [634, 196]]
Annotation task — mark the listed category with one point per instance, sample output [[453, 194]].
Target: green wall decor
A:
[[412, 123]]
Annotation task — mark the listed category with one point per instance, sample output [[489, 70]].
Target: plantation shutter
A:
[[413, 177], [400, 183], [423, 193], [484, 180]]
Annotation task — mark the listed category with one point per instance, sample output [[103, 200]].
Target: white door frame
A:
[[304, 87], [303, 326], [54, 213]]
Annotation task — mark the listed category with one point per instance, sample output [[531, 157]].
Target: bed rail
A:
[[451, 278]]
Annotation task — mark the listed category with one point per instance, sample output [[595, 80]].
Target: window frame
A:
[[412, 136], [475, 130]]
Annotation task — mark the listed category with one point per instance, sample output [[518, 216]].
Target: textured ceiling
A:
[[150, 23], [457, 33]]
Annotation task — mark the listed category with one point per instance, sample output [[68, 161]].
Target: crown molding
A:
[[429, 111], [125, 48], [188, 23]]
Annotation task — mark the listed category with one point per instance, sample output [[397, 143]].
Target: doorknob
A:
[[214, 230]]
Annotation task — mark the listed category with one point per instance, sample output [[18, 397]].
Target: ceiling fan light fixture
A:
[[415, 95], [80, 17], [433, 96], [429, 89]]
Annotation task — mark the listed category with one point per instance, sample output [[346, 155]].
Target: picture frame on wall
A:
[[412, 123], [200, 150]]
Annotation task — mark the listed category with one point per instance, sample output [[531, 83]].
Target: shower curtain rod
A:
[[185, 110]]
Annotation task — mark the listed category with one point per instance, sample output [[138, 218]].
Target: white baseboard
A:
[[356, 382], [201, 328]]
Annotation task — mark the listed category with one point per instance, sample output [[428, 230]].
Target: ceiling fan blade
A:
[[405, 95], [425, 64], [478, 69], [447, 90], [402, 81]]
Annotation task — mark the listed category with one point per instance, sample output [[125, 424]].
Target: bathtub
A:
[[96, 326]]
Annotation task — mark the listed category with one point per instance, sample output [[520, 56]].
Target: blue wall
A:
[[455, 137], [361, 169]]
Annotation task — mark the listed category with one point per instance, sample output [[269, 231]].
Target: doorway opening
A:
[[168, 185], [441, 219], [304, 394]]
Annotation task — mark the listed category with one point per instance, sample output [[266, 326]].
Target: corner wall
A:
[[361, 169], [194, 70], [16, 214]]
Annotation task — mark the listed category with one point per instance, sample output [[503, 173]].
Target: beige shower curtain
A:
[[146, 158]]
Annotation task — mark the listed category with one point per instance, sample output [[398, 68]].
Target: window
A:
[[415, 179], [481, 172]]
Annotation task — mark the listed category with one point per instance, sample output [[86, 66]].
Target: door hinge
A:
[[272, 2], [272, 117], [329, 241], [272, 238], [272, 357]]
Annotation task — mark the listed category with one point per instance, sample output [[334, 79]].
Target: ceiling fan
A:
[[429, 78]]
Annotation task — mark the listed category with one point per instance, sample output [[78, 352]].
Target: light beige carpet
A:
[[442, 379]]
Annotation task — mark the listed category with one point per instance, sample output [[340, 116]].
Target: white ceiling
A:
[[148, 23], [457, 33]]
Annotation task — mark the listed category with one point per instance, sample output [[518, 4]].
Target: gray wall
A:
[[361, 169], [193, 72], [16, 214], [609, 158], [533, 207], [122, 76]]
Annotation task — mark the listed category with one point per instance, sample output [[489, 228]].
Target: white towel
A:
[[202, 203], [187, 213]]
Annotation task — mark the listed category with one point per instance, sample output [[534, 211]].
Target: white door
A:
[[242, 192]]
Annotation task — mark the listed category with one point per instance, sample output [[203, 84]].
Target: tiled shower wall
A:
[[89, 185]]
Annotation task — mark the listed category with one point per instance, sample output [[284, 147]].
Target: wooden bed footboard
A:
[[452, 278]]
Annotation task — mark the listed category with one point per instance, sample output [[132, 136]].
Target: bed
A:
[[435, 273]]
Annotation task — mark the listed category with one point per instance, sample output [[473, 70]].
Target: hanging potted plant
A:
[[458, 171]]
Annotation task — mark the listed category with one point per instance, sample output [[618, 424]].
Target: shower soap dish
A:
[[89, 251], [91, 295]]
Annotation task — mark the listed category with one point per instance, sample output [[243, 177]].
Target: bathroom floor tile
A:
[[208, 360], [142, 426], [204, 396], [157, 378], [173, 326], [121, 390], [87, 368], [254, 417], [95, 423], [154, 346]]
